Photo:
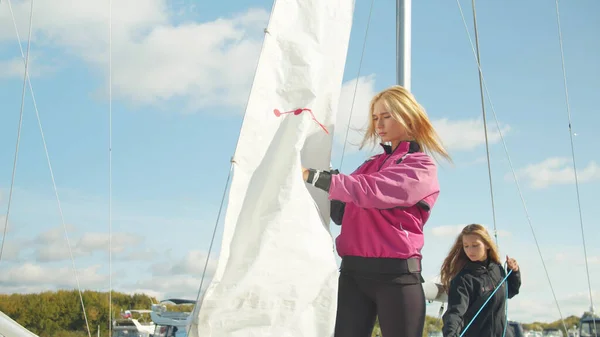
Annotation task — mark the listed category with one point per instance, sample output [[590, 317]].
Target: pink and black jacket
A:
[[382, 208]]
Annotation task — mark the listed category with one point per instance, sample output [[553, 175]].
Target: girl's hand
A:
[[512, 264]]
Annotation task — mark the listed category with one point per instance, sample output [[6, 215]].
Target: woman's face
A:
[[474, 247], [388, 129]]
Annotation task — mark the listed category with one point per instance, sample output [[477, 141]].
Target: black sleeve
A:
[[458, 303], [514, 283], [337, 207], [337, 211], [324, 182]]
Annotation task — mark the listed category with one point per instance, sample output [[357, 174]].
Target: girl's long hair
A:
[[404, 108], [457, 259]]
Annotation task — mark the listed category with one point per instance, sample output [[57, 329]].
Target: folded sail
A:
[[277, 273]]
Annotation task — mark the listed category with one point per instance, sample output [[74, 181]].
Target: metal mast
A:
[[403, 42]]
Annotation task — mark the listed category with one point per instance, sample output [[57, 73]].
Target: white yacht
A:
[[127, 326], [171, 323]]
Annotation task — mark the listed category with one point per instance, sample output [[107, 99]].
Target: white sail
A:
[[277, 272], [10, 328]]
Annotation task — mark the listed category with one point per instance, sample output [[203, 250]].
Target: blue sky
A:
[[181, 78]]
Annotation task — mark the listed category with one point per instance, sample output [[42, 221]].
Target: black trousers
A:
[[398, 301]]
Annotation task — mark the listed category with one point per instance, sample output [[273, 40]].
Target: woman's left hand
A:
[[512, 264]]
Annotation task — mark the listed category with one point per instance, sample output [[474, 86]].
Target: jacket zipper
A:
[[379, 169]]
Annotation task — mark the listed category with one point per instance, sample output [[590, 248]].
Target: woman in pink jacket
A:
[[382, 208]]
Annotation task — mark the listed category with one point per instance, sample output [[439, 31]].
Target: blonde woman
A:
[[382, 208], [471, 273]]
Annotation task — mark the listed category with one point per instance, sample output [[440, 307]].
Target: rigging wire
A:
[[489, 167], [232, 162], [212, 240], [513, 171], [14, 168], [485, 130], [110, 167], [568, 106], [27, 80], [362, 54]]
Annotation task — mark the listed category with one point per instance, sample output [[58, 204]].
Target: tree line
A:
[[59, 313]]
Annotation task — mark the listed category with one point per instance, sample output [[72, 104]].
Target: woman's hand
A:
[[512, 264], [304, 173]]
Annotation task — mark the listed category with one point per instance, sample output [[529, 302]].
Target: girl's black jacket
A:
[[469, 290]]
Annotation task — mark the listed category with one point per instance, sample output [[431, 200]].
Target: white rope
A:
[[28, 80], [562, 58], [512, 169]]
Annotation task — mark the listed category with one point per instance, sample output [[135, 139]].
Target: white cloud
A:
[[4, 223], [575, 257], [142, 254], [56, 252], [82, 22], [556, 171], [29, 274], [90, 242], [210, 63], [192, 264], [172, 278], [365, 90], [182, 286], [150, 292], [52, 245], [448, 230], [466, 135], [154, 59], [15, 67], [545, 308], [11, 251], [52, 235], [179, 277]]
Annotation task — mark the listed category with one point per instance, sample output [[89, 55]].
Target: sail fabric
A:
[[10, 328], [277, 271]]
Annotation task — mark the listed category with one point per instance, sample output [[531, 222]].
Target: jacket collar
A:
[[403, 147], [479, 267]]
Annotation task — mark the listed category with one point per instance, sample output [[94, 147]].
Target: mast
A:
[[433, 291], [403, 42]]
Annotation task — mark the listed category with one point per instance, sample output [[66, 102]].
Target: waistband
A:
[[381, 265]]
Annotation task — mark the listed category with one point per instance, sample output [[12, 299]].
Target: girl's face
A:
[[474, 247], [387, 128]]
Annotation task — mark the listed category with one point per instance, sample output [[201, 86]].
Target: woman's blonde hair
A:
[[456, 259], [404, 108]]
